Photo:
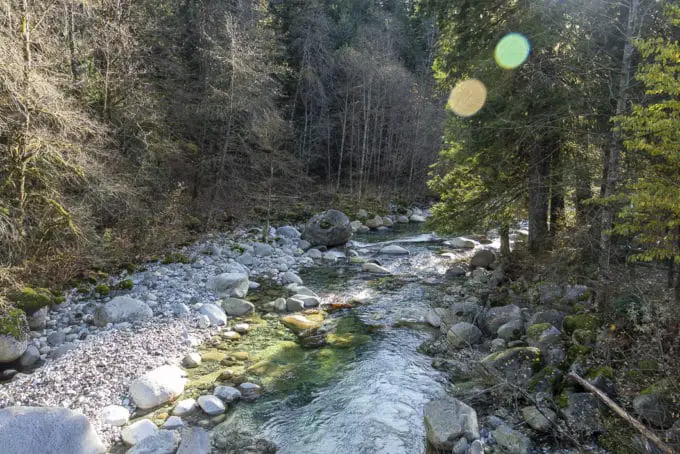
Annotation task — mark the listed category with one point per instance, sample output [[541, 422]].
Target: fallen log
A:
[[623, 414]]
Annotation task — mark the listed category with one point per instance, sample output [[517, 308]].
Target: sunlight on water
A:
[[467, 98], [512, 51]]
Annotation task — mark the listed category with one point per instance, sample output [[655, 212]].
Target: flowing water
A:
[[367, 398]]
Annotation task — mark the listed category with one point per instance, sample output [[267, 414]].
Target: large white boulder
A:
[[47, 430], [214, 313], [161, 385], [122, 309]]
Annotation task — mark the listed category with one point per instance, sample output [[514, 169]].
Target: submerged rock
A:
[[446, 420]]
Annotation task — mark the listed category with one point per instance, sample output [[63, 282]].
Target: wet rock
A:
[[227, 285], [227, 393], [482, 259], [115, 415], [512, 440], [158, 386], [192, 360], [330, 228], [215, 314], [291, 278], [394, 249], [460, 243], [211, 405], [231, 437], [463, 335], [250, 390], [447, 420], [433, 319], [236, 307], [195, 440], [162, 442], [122, 309], [138, 431], [47, 430], [387, 221], [300, 325], [375, 268], [401, 219]]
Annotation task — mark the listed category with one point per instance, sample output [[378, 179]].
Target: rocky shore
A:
[[122, 348]]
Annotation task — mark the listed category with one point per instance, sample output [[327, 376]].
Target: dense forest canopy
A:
[[123, 123]]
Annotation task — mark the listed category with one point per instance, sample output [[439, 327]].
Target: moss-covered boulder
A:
[[581, 321], [125, 284], [31, 300], [603, 379], [516, 365], [547, 380], [13, 334], [656, 405], [102, 289]]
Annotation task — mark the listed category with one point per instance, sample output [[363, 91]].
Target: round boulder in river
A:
[[13, 335], [48, 431], [330, 228]]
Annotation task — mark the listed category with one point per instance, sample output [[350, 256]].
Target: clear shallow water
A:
[[374, 402]]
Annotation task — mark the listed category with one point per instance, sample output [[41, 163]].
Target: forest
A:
[[127, 125]]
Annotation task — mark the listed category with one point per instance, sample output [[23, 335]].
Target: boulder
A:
[[387, 221], [211, 405], [374, 223], [401, 219], [138, 431], [463, 334], [394, 249], [229, 284], [291, 278], [455, 271], [158, 386], [330, 228], [581, 410], [289, 232], [236, 307], [30, 357], [195, 440], [13, 335], [446, 420], [511, 440], [115, 415], [227, 393], [417, 218], [38, 320], [192, 360], [482, 259], [47, 430], [496, 317], [511, 330], [162, 442], [122, 309], [299, 324], [214, 313], [515, 364], [655, 405], [460, 243], [540, 420]]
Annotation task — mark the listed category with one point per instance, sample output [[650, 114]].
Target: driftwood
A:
[[623, 414]]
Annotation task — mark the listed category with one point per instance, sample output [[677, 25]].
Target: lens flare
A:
[[512, 51], [467, 98]]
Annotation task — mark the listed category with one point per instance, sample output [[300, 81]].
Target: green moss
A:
[[83, 288], [661, 388], [31, 300], [13, 322], [535, 331], [175, 258], [581, 321], [129, 267], [577, 351], [125, 284], [583, 336], [102, 289], [562, 401], [617, 438], [603, 371], [648, 365], [548, 377]]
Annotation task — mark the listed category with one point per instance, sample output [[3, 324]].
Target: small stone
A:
[[173, 422], [226, 375], [30, 357], [192, 360], [184, 406], [203, 322], [461, 446], [231, 335], [115, 415], [216, 316], [227, 393], [163, 442], [291, 278], [56, 338], [181, 310], [250, 390], [211, 405], [241, 328], [138, 431]]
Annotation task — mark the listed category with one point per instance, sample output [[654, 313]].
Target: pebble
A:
[[185, 406], [173, 422], [115, 415], [241, 328], [138, 431], [192, 360]]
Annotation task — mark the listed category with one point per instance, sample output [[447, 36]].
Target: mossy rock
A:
[[31, 300], [580, 321], [102, 289], [84, 288], [125, 284], [13, 323], [534, 331], [129, 267], [583, 337], [660, 388], [601, 371], [577, 351], [547, 379], [176, 258]]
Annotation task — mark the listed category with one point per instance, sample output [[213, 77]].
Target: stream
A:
[[371, 400]]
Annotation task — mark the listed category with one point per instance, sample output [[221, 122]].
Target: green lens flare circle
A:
[[512, 51]]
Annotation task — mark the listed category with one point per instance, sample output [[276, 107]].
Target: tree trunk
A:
[[505, 240], [556, 193], [613, 158], [539, 175]]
